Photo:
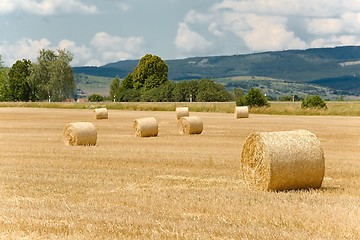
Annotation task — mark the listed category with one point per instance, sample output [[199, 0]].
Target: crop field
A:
[[168, 187]]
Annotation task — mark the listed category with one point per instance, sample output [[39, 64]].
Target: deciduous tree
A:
[[151, 72], [4, 82], [19, 87], [52, 76], [255, 98]]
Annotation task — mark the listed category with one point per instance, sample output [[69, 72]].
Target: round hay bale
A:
[[80, 133], [182, 112], [283, 160], [101, 113], [241, 112], [146, 127], [191, 125]]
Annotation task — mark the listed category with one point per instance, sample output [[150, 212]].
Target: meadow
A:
[[167, 187]]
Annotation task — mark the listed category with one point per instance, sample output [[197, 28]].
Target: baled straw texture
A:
[[241, 112], [101, 113], [182, 112], [80, 133], [146, 127], [283, 160], [191, 125]]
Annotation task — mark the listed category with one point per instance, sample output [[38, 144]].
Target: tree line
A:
[[50, 78], [149, 83]]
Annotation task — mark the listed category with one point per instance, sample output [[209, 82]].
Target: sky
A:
[[100, 32]]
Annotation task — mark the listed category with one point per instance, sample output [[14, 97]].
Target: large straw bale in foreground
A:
[[191, 125], [101, 113], [146, 127], [182, 112], [283, 160], [241, 112], [80, 133]]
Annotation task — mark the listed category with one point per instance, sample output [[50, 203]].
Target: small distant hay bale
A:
[[191, 125], [283, 160], [182, 112], [241, 112], [80, 133], [146, 127], [101, 113]]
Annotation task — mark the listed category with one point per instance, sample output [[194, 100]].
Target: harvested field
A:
[[167, 187]]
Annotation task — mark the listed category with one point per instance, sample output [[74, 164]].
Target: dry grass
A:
[[169, 187]]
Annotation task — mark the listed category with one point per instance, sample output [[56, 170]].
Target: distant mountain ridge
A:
[[337, 67]]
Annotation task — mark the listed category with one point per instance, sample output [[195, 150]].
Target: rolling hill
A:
[[337, 69]]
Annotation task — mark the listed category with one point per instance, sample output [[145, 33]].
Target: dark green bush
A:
[[96, 98], [255, 98], [313, 102]]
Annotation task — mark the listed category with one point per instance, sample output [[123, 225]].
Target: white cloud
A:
[[47, 7], [123, 6], [102, 49], [270, 33], [188, 41], [23, 49], [263, 25], [110, 48], [335, 41], [7, 6], [82, 54], [306, 8], [325, 26], [195, 17]]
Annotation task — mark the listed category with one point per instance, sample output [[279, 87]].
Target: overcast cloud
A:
[[99, 32]]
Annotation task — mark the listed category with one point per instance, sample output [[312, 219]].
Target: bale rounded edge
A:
[[182, 112], [80, 133], [191, 125], [101, 113], [146, 127], [241, 112], [285, 160]]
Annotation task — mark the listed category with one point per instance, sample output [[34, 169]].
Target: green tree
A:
[[129, 95], [115, 88], [151, 72], [313, 102], [255, 98], [4, 82], [96, 98], [62, 84], [185, 90], [19, 87], [239, 97], [40, 75], [163, 93], [209, 91], [52, 76], [127, 83]]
